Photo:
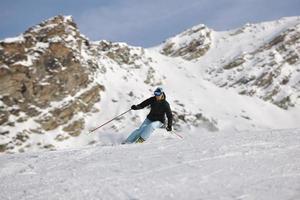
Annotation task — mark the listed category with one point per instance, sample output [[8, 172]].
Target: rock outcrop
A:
[[45, 78], [191, 44]]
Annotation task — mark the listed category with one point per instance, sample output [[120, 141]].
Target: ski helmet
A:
[[158, 91]]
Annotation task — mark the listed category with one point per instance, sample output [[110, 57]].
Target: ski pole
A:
[[177, 134], [110, 121]]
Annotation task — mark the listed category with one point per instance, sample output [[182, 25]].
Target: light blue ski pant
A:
[[144, 130]]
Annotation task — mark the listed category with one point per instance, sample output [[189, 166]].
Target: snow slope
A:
[[188, 93], [244, 165]]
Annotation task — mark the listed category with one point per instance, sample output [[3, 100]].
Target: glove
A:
[[169, 128], [134, 107]]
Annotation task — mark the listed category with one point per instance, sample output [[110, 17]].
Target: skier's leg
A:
[[146, 132], [136, 133]]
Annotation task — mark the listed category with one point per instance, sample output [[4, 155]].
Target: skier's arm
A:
[[145, 103]]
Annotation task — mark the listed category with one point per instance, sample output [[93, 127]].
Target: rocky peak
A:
[[56, 26], [191, 44], [44, 65]]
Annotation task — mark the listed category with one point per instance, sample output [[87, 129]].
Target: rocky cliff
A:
[[190, 44], [45, 78]]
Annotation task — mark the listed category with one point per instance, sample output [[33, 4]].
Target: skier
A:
[[155, 119]]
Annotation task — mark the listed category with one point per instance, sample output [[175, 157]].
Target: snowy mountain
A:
[[257, 60], [56, 85]]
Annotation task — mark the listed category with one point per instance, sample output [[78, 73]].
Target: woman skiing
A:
[[155, 119]]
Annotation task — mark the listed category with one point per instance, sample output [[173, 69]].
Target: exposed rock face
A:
[[235, 63], [60, 116], [40, 69], [128, 58], [191, 44], [121, 53]]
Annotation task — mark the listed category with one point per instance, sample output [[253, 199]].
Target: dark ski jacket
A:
[[158, 109]]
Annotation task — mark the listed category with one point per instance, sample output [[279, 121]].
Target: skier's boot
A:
[[140, 140]]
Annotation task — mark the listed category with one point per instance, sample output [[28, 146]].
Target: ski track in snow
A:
[[222, 165]]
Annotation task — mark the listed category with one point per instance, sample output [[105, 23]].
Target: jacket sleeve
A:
[[145, 103], [169, 115]]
